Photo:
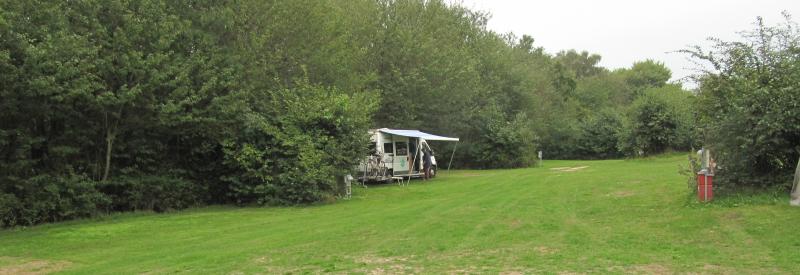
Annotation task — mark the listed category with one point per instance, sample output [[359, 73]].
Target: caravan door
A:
[[400, 162]]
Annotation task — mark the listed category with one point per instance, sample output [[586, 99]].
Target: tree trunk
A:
[[795, 201], [109, 145]]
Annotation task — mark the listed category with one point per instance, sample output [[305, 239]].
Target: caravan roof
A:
[[416, 133]]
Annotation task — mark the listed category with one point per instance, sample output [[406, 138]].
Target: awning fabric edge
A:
[[417, 134]]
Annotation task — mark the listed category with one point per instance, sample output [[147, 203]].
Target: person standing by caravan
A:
[[426, 163]]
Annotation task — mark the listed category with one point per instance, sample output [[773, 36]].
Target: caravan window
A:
[[388, 148], [401, 148]]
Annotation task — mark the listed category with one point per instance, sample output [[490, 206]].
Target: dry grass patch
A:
[[716, 269], [515, 223], [622, 194], [568, 169], [545, 250], [13, 265], [386, 265], [641, 269], [732, 216]]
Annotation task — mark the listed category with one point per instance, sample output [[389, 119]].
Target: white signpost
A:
[[540, 156], [795, 201]]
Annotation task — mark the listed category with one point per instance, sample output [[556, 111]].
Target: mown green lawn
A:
[[617, 216]]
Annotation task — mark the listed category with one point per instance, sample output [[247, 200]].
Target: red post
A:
[[705, 186]]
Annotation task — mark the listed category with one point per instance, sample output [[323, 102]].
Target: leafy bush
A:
[[293, 152], [157, 193], [750, 117], [561, 138], [659, 120], [9, 204], [600, 135], [47, 198], [690, 172], [503, 143]]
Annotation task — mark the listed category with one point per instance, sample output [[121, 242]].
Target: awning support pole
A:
[[451, 156], [364, 179], [413, 162]]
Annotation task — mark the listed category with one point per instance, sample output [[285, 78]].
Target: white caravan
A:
[[397, 154]]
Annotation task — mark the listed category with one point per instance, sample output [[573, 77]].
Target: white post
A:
[[348, 179], [540, 157], [795, 199]]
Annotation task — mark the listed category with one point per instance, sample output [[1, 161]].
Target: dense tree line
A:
[[157, 104]]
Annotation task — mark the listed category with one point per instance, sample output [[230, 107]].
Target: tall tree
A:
[[646, 74], [581, 64]]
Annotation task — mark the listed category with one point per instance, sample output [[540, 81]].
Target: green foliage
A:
[[46, 198], [660, 119], [503, 142], [690, 172], [750, 96], [127, 92], [603, 91], [581, 64], [8, 206], [561, 135], [595, 113], [293, 152], [600, 135], [156, 193], [646, 74]]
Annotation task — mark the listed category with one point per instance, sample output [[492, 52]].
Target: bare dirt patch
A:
[[487, 270], [545, 250], [716, 269], [385, 265], [650, 269], [641, 269], [31, 266], [464, 270], [515, 223], [372, 259], [622, 194], [568, 169], [732, 216]]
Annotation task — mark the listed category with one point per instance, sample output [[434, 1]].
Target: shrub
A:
[[690, 172], [659, 120], [157, 193], [47, 198], [750, 114], [600, 135], [288, 146], [503, 143], [9, 205]]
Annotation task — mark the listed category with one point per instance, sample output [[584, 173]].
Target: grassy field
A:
[[617, 216]]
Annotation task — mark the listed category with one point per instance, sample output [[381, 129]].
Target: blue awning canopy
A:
[[416, 134]]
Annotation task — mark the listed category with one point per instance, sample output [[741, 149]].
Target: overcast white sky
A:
[[624, 31]]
